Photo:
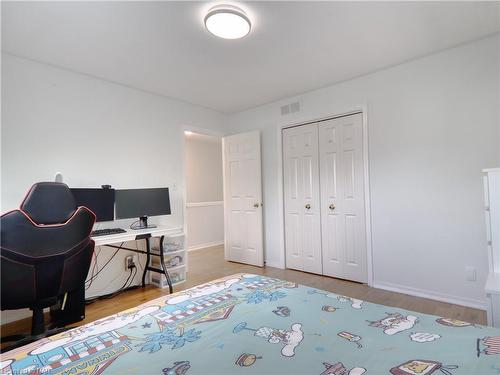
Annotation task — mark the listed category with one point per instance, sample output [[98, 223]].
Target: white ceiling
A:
[[163, 47]]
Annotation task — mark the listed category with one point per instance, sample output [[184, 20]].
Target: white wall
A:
[[498, 96], [433, 125], [205, 225], [95, 133], [203, 168], [204, 191]]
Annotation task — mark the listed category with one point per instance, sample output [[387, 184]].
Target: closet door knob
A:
[[256, 205], [331, 207], [308, 206]]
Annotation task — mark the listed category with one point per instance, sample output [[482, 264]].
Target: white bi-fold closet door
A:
[[343, 198], [324, 198], [302, 201]]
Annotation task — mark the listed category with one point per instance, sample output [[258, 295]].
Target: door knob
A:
[[331, 207], [308, 206], [256, 205]]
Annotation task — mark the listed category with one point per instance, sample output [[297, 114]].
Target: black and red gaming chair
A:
[[46, 251]]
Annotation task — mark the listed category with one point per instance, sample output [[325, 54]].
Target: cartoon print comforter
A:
[[248, 324]]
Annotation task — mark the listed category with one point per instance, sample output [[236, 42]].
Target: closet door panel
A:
[[342, 198], [292, 176], [332, 224], [302, 208], [311, 219], [354, 198]]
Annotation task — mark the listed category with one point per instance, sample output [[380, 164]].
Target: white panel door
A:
[[343, 198], [301, 198], [243, 199]]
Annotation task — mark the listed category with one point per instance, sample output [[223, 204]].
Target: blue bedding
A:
[[248, 324]]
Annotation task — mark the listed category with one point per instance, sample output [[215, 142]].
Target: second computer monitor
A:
[[134, 203], [100, 201]]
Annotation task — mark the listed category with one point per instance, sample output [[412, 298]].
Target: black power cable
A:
[[92, 275], [123, 288], [92, 278]]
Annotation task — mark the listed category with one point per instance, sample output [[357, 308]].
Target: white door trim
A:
[[205, 204], [366, 167]]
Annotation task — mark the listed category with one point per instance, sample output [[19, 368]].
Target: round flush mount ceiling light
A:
[[228, 22]]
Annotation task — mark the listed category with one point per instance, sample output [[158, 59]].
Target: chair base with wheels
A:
[[38, 331]]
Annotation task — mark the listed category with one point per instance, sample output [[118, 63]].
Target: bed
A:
[[249, 324]]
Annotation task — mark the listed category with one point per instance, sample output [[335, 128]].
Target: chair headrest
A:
[[49, 203]]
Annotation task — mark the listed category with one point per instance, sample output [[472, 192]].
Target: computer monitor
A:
[[100, 201], [142, 203]]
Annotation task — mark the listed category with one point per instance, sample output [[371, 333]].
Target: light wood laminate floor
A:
[[209, 264]]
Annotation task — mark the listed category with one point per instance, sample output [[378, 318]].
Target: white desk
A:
[[159, 232], [131, 234]]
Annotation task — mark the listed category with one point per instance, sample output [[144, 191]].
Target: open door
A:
[[243, 199]]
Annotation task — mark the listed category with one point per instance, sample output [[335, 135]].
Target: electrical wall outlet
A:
[[470, 273], [130, 262]]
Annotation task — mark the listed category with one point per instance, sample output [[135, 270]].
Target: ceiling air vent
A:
[[290, 108]]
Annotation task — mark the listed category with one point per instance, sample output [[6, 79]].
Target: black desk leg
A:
[[164, 268], [148, 258]]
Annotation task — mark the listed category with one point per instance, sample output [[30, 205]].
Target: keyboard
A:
[[106, 232]]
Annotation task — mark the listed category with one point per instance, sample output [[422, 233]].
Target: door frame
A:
[[182, 138], [363, 109]]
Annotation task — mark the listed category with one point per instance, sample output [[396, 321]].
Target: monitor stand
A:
[[143, 224]]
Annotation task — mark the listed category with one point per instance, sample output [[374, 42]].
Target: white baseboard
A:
[[442, 297], [205, 245]]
